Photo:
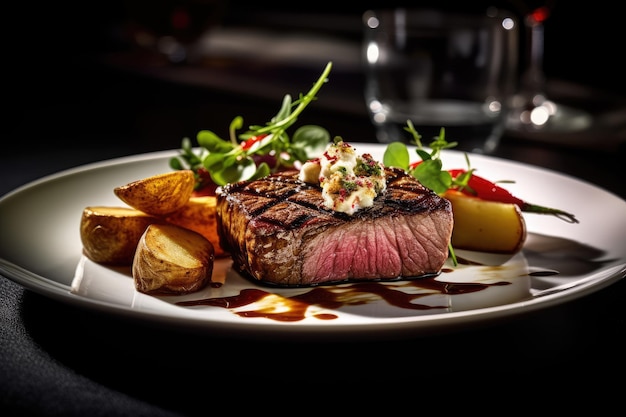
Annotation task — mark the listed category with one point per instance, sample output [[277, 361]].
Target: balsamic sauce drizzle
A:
[[294, 308]]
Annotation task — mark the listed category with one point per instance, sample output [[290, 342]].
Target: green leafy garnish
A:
[[429, 169], [260, 150]]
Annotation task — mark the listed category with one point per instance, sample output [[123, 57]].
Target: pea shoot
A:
[[258, 151], [429, 170]]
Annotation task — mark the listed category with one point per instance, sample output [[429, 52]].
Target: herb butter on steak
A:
[[279, 231]]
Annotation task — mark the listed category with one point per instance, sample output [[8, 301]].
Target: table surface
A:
[[59, 359]]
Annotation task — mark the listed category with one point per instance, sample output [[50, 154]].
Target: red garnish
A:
[[254, 139], [485, 189]]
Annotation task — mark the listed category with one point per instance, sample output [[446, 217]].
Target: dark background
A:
[[52, 49], [582, 42]]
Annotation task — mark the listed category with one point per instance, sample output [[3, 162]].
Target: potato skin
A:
[[486, 226], [110, 234], [158, 195], [200, 215], [172, 260]]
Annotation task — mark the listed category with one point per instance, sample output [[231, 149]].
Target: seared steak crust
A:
[[279, 232]]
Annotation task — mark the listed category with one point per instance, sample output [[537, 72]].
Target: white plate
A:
[[41, 250]]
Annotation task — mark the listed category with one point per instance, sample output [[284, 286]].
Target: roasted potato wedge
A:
[[486, 226], [110, 234], [172, 260], [158, 195], [199, 214]]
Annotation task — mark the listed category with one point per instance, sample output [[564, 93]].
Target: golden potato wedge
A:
[[110, 234], [486, 226], [199, 214], [172, 260], [158, 195]]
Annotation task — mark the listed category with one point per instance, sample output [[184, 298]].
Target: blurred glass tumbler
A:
[[456, 71]]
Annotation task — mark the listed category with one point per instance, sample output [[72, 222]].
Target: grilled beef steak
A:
[[279, 232]]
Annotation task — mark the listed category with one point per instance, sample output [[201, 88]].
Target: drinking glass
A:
[[533, 110], [456, 71]]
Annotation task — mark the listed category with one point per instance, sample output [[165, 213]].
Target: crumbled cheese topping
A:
[[349, 182]]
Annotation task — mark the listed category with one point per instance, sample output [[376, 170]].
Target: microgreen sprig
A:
[[429, 170], [261, 149]]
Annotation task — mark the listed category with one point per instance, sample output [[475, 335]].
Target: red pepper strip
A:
[[254, 139], [487, 190]]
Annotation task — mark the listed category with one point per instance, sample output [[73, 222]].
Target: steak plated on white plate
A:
[[279, 232]]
